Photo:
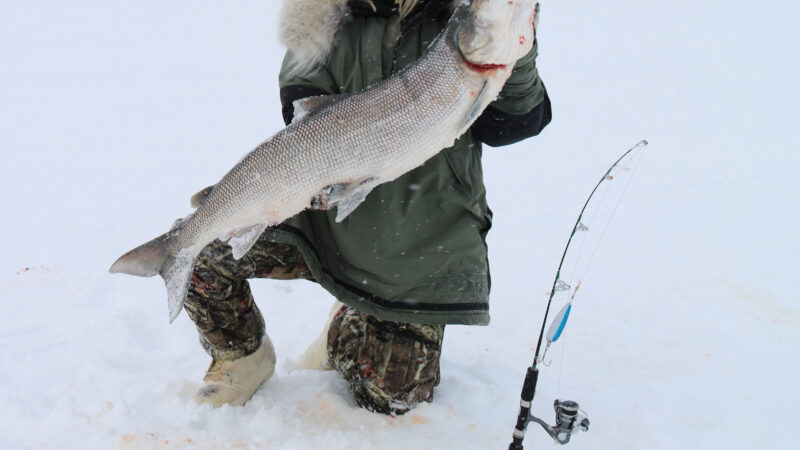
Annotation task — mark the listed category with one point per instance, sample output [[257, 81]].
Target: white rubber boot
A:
[[316, 355], [235, 382]]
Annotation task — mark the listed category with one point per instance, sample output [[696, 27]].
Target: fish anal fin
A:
[[242, 240], [308, 105], [200, 197]]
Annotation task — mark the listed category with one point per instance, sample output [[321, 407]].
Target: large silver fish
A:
[[338, 148]]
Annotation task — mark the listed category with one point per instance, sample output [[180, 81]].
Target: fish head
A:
[[497, 32]]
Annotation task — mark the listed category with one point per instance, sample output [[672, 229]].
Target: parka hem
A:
[[475, 313]]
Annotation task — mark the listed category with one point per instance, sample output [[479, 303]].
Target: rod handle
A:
[[528, 391]]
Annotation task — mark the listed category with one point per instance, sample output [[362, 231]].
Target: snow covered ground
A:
[[687, 328]]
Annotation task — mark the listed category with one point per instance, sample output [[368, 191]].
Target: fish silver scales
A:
[[339, 148], [388, 145]]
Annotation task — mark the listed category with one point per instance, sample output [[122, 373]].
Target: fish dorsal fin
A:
[[481, 100], [243, 239], [308, 105], [200, 197]]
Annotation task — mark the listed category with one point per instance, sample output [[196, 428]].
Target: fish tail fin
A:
[[147, 259], [177, 275], [158, 257]]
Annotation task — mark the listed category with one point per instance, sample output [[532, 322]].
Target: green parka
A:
[[415, 250]]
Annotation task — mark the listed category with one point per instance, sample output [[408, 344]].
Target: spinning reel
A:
[[570, 419]]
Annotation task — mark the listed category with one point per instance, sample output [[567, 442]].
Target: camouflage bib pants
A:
[[390, 366]]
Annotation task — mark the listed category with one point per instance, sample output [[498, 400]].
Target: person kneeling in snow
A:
[[409, 260]]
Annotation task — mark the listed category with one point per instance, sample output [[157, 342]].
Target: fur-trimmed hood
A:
[[308, 28]]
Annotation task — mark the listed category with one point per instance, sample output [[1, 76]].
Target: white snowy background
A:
[[686, 332]]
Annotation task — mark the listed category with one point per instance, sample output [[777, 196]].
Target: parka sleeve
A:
[[297, 82], [521, 110]]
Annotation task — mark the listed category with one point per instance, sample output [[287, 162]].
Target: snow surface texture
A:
[[685, 334]]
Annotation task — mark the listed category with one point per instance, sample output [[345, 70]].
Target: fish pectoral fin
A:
[[481, 101], [349, 203], [200, 197], [327, 196], [345, 196], [242, 240], [308, 105]]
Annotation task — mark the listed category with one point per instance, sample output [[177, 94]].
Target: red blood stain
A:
[[484, 67], [340, 312], [366, 371], [419, 419]]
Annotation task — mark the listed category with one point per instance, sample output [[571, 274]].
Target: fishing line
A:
[[561, 366], [587, 227], [613, 212], [625, 167], [580, 226]]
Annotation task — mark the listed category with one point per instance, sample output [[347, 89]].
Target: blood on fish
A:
[[483, 67]]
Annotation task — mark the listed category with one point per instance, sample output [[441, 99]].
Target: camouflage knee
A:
[[227, 319], [390, 366], [220, 302]]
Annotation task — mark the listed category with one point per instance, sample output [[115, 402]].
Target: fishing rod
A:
[[570, 419]]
